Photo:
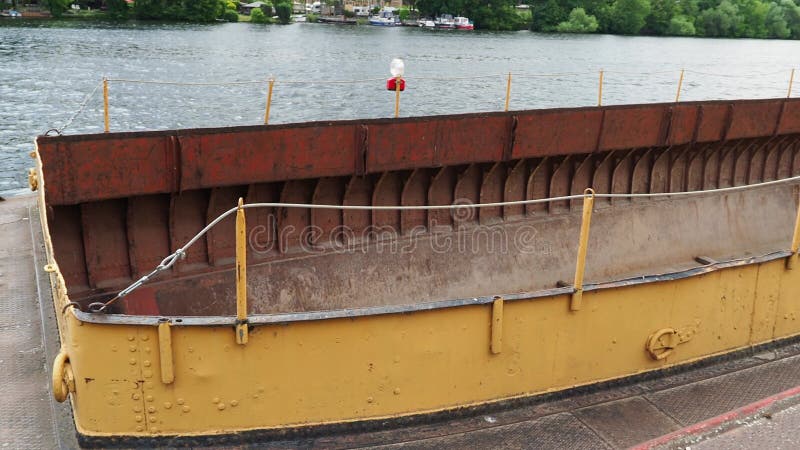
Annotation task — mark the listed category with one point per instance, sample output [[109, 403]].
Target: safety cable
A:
[[274, 80], [83, 104]]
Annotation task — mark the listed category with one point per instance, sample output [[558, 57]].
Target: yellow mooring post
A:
[[600, 90], [508, 91], [241, 275], [269, 100], [397, 97], [791, 81], [790, 261], [680, 84], [580, 266], [106, 121]]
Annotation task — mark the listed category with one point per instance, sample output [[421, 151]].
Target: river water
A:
[[47, 68]]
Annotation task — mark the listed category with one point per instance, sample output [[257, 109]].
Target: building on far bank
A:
[[246, 9], [349, 4]]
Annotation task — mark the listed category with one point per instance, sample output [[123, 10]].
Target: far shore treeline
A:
[[705, 18], [709, 18], [173, 10]]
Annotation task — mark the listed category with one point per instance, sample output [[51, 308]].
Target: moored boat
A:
[[370, 260], [463, 23], [445, 22], [386, 17]]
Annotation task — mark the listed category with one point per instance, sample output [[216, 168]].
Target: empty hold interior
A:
[[314, 259]]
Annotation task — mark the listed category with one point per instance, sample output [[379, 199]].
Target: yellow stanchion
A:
[[791, 81], [269, 100], [508, 91], [680, 84], [397, 97], [241, 276], [600, 90], [583, 243], [106, 121]]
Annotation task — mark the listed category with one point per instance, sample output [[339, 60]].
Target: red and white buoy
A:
[[397, 68]]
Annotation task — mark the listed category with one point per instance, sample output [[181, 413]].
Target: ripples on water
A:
[[47, 68]]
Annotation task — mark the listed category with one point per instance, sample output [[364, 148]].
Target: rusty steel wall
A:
[[121, 202], [116, 165]]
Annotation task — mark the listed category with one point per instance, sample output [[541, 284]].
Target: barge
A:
[[401, 269]]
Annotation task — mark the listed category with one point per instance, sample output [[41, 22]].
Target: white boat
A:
[[463, 23], [314, 8], [426, 23], [385, 18], [445, 21]]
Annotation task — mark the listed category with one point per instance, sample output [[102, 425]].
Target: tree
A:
[[547, 15], [753, 15], [628, 16], [495, 17], [203, 10], [603, 10], [267, 9], [690, 9], [56, 7], [661, 14], [722, 21], [775, 22], [680, 26], [579, 22], [404, 14], [118, 9], [148, 9], [791, 12], [230, 15], [257, 16], [284, 12]]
